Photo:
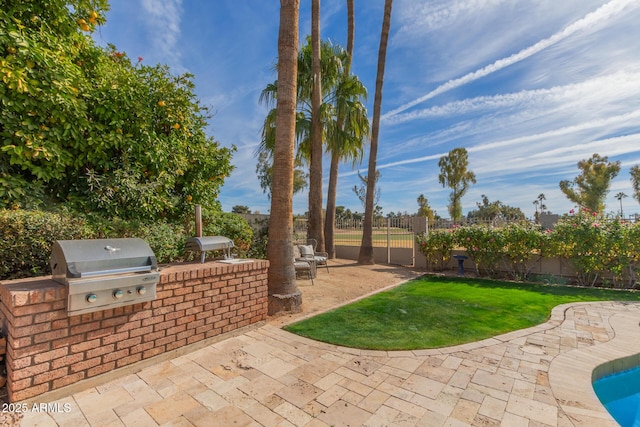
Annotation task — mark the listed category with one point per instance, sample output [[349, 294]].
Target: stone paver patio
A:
[[268, 377]]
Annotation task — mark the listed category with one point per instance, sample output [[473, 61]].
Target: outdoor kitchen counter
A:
[[47, 349]]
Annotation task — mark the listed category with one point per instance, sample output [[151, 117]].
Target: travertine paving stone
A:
[[268, 377]]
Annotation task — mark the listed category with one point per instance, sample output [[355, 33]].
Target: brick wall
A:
[[47, 350]]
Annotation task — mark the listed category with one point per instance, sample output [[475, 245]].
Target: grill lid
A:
[[97, 257], [208, 243]]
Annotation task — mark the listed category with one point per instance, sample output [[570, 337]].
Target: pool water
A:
[[620, 394]]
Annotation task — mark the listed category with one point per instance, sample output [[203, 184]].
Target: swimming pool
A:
[[620, 394]]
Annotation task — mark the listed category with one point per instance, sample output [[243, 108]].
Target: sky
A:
[[528, 87]]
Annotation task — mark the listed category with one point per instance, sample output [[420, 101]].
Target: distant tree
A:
[[590, 188], [635, 181], [361, 190], [264, 171], [455, 173], [241, 209], [424, 210], [621, 196], [491, 211], [538, 202]]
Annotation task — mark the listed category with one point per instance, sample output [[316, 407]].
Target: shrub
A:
[[229, 225], [601, 248], [27, 239], [522, 243], [483, 245], [436, 246]]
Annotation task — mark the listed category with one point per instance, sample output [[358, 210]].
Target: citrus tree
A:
[[89, 127]]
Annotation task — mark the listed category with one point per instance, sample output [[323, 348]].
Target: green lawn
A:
[[432, 312]]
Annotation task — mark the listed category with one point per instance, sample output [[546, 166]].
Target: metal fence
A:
[[387, 232]]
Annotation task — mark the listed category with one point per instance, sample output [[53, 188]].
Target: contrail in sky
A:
[[591, 124], [604, 12]]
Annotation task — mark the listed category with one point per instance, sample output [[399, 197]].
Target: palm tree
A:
[[283, 292], [538, 202], [345, 122], [315, 229], [621, 196], [352, 127], [366, 248]]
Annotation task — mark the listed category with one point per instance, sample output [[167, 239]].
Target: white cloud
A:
[[587, 23], [602, 89], [163, 20]]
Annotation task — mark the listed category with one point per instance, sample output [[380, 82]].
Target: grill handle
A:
[[138, 269]]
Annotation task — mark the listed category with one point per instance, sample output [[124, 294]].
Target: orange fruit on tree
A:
[[161, 103]]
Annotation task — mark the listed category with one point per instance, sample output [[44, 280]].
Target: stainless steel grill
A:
[[104, 273], [209, 243]]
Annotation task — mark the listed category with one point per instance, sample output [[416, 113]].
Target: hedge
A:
[[604, 250], [28, 236]]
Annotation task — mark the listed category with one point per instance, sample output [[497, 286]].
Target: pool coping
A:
[[571, 374]]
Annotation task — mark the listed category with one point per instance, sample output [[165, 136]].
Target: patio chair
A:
[[308, 251], [303, 265]]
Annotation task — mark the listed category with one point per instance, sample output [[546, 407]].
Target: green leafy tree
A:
[[87, 126], [590, 188], [455, 174], [43, 115], [241, 209], [491, 211], [264, 170], [361, 190], [424, 210]]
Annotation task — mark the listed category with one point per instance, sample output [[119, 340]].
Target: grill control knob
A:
[[141, 290], [92, 298], [117, 294]]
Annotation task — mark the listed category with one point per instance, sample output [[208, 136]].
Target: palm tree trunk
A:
[[330, 246], [330, 219], [351, 26], [366, 248], [315, 228], [283, 292]]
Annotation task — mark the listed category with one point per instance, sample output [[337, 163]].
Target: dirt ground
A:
[[346, 281]]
